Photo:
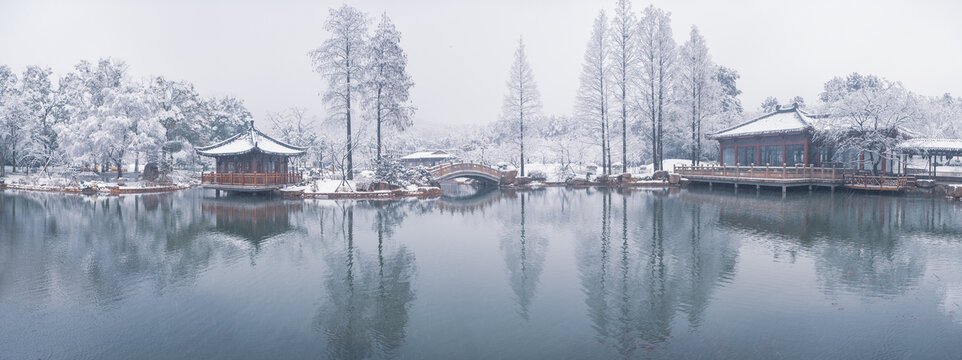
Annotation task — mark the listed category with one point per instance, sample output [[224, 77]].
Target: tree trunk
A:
[[14, 161], [378, 107], [120, 170], [521, 117], [624, 132], [350, 157]]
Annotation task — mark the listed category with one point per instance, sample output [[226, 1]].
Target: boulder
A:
[[151, 172], [674, 179], [576, 182], [383, 186], [660, 175], [925, 184], [522, 180], [624, 178], [957, 191]]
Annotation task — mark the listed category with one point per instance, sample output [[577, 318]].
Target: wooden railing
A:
[[250, 179], [879, 181], [448, 168], [762, 172]]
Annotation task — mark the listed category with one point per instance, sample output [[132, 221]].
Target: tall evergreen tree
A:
[[522, 100], [593, 94], [624, 36], [657, 53], [695, 73], [341, 60], [388, 82]]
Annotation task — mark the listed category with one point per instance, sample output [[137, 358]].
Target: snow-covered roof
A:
[[439, 154], [249, 141], [932, 145], [782, 120]]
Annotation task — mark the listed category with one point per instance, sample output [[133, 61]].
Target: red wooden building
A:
[[780, 137], [250, 162], [787, 136]]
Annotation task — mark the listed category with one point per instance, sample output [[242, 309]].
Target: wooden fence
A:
[[762, 172], [250, 179]]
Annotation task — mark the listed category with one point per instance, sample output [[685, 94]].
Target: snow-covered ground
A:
[[553, 171], [59, 179]]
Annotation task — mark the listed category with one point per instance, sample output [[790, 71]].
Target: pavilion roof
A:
[[781, 121], [932, 146], [251, 140]]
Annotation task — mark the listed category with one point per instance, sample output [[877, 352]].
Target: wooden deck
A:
[[793, 176]]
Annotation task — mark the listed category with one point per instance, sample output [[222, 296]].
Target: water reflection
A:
[[630, 274], [524, 255], [368, 295], [656, 265], [251, 218]]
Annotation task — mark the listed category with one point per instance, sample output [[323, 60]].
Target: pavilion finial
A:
[[252, 124]]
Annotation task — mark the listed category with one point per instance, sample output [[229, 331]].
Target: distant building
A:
[[427, 158]]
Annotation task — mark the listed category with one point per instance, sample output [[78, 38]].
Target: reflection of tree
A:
[[100, 249], [368, 296], [662, 264], [856, 241], [524, 256]]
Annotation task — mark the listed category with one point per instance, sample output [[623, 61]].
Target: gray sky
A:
[[459, 52]]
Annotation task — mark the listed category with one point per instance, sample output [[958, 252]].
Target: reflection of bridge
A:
[[474, 171]]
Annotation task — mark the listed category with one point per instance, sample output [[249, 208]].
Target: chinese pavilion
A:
[[787, 137], [250, 162]]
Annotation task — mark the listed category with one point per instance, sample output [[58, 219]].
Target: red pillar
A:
[[806, 153], [784, 156]]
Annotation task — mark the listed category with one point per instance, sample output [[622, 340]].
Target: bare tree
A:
[[340, 60], [624, 61], [696, 75], [657, 53], [593, 94], [522, 100]]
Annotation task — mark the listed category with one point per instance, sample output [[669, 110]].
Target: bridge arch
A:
[[479, 172]]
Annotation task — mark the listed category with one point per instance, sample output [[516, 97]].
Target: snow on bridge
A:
[[480, 172]]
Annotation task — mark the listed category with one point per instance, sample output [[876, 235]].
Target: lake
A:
[[547, 274]]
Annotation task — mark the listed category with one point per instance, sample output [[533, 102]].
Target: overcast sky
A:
[[459, 52]]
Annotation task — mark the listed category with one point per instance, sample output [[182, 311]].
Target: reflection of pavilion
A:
[[251, 219]]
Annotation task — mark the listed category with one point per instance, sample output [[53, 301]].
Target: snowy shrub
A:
[[537, 175]]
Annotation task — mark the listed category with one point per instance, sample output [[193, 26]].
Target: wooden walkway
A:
[[792, 176]]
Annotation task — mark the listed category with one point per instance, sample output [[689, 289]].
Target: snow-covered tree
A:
[[224, 117], [869, 119], [45, 111], [293, 127], [523, 101], [180, 109], [341, 60], [769, 104], [594, 92], [657, 55], [388, 82], [697, 88], [124, 123], [624, 62], [727, 79], [12, 116]]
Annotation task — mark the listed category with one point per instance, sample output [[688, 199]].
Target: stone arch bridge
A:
[[483, 173]]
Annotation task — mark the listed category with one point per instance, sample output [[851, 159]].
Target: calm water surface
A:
[[550, 274]]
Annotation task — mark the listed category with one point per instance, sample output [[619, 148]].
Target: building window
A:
[[794, 154], [771, 155], [746, 155], [728, 156]]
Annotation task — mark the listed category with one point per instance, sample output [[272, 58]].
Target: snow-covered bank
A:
[[348, 189], [98, 183]]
